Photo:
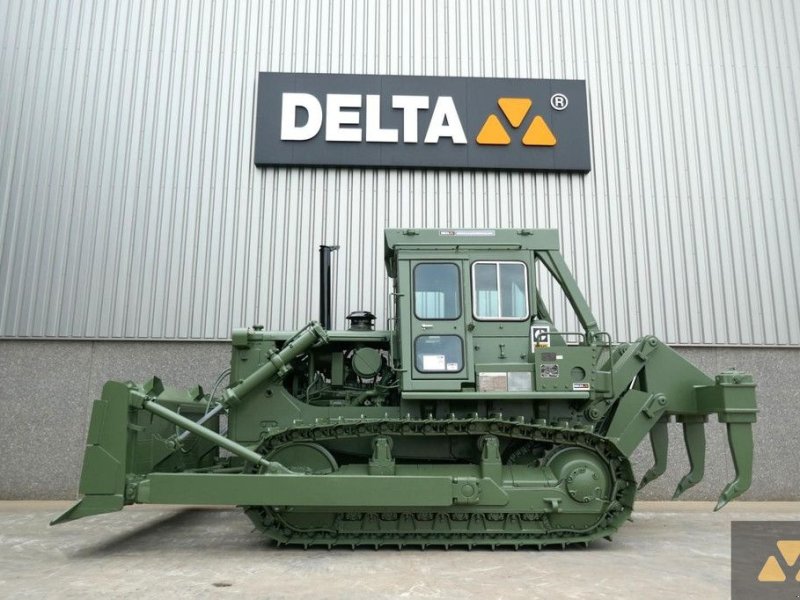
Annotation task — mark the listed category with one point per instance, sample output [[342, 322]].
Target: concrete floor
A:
[[671, 550]]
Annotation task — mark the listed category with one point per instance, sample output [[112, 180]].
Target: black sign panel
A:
[[429, 122]]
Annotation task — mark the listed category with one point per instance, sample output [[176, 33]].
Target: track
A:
[[456, 526]]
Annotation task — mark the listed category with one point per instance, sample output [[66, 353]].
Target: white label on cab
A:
[[433, 362]]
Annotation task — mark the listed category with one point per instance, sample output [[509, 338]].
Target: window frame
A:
[[458, 294], [497, 264]]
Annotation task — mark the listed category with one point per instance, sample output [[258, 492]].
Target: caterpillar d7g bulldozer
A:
[[470, 421]]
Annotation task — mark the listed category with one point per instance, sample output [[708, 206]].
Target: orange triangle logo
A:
[[514, 109], [539, 134], [790, 549], [771, 571], [493, 133]]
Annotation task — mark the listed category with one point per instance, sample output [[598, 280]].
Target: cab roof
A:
[[420, 240]]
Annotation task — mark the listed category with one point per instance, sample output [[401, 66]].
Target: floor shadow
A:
[[163, 533]]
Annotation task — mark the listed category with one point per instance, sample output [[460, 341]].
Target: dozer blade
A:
[[105, 459], [124, 443], [740, 440], [694, 436], [89, 506], [659, 440]]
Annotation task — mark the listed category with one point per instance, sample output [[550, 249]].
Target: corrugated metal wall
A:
[[130, 208]]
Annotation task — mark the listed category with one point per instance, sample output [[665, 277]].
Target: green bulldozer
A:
[[470, 421]]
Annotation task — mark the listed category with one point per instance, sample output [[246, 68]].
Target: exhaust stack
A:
[[325, 284]]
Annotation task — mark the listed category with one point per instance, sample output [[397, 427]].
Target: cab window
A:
[[437, 291], [500, 290], [439, 353]]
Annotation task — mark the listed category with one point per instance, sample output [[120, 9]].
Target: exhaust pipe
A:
[[325, 284]]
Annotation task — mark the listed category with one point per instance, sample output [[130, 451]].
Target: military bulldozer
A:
[[470, 421]]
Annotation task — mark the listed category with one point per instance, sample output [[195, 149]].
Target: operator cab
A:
[[469, 318]]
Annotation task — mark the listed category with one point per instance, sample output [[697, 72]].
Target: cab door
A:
[[439, 353]]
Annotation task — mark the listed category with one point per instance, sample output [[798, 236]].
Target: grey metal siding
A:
[[130, 207]]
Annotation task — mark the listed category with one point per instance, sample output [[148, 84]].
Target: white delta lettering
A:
[[343, 119]]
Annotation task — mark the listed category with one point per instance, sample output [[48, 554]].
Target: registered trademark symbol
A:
[[558, 101]]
